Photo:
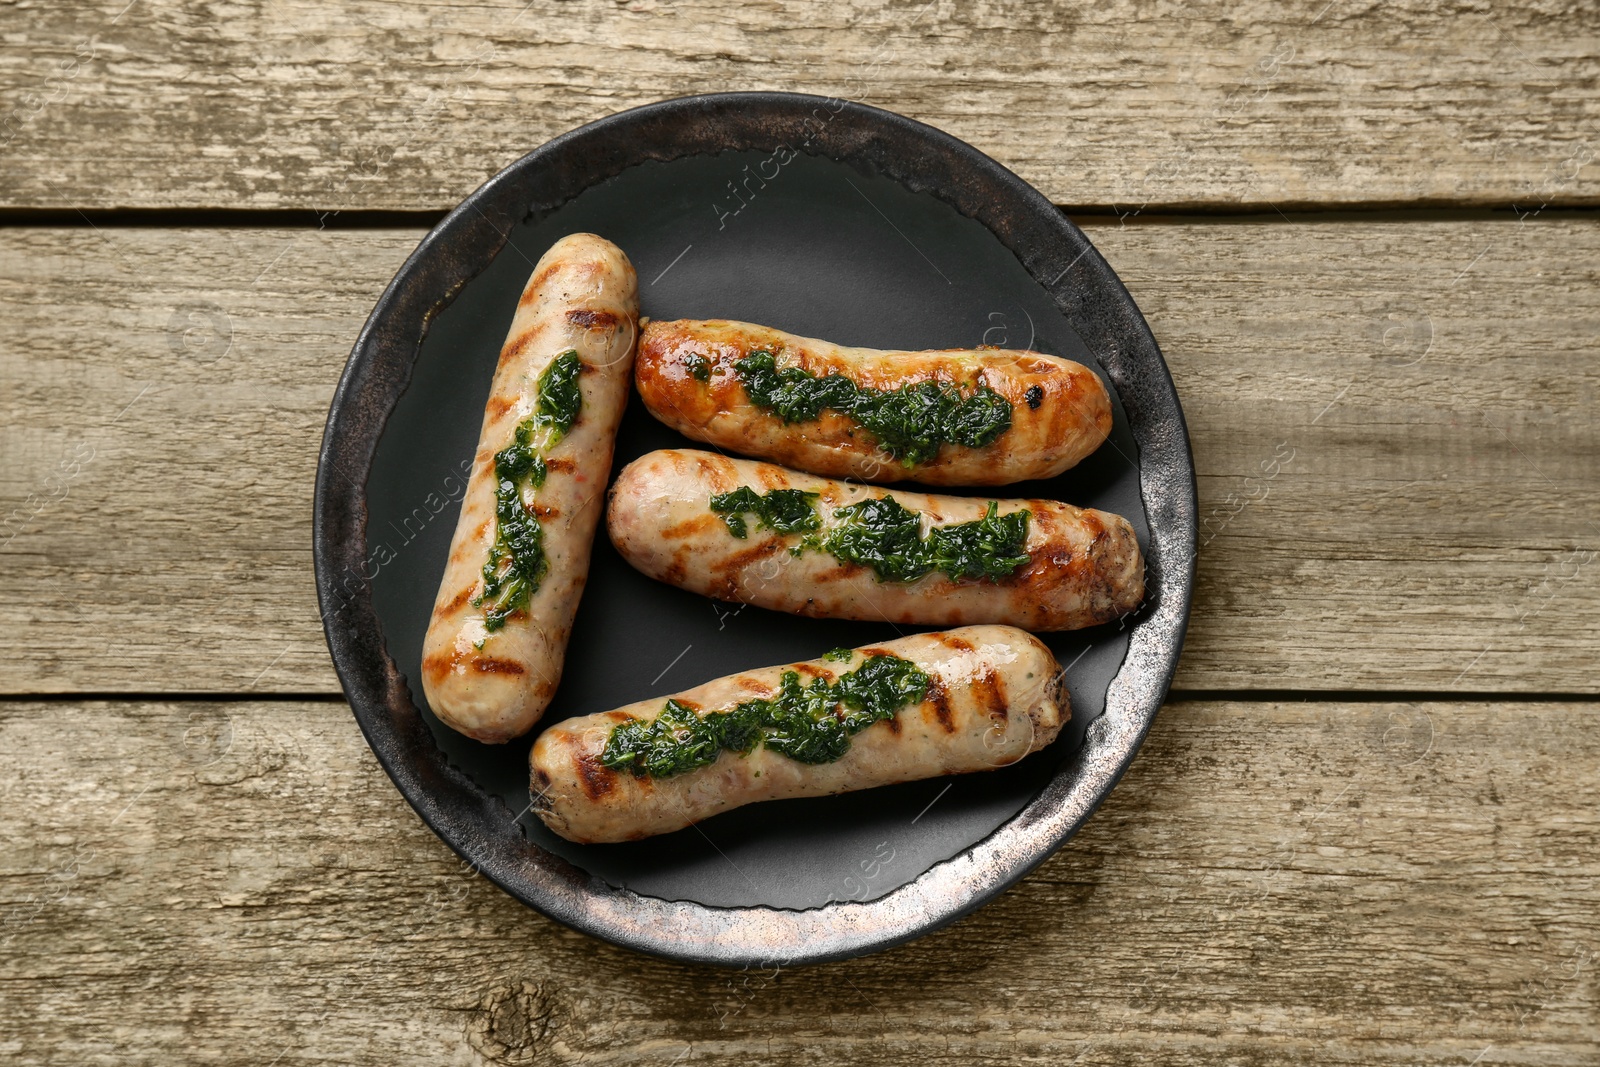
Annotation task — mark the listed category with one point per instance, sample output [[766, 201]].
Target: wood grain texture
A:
[[1331, 883], [1431, 419], [370, 105]]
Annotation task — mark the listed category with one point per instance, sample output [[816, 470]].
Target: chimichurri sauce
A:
[[807, 723], [886, 536], [517, 564], [780, 510], [911, 423]]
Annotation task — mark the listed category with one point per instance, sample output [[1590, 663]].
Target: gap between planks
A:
[[310, 219]]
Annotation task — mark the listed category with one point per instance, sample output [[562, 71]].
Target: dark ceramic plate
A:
[[828, 219]]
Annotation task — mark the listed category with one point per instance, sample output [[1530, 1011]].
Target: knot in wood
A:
[[513, 1023]]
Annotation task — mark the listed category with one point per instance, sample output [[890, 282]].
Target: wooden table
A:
[[1365, 828]]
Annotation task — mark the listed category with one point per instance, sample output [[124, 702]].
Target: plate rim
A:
[[479, 826]]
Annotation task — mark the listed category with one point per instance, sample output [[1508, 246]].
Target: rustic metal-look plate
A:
[[828, 219]]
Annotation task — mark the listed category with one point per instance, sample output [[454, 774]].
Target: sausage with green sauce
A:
[[947, 417], [972, 699], [756, 533], [520, 555]]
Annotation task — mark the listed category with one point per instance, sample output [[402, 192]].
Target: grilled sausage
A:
[[520, 554], [981, 417], [674, 515], [989, 696]]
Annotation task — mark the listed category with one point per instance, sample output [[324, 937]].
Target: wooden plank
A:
[[369, 105], [1394, 432], [1432, 522], [1345, 883]]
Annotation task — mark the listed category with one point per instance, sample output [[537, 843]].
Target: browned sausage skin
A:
[[990, 696], [1073, 567], [690, 377], [492, 659]]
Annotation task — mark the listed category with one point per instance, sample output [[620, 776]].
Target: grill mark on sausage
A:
[[441, 665], [540, 511], [951, 641], [690, 527], [771, 476], [499, 405], [940, 699], [513, 349], [589, 319], [456, 601], [717, 472], [595, 778], [989, 689], [678, 569], [437, 667], [560, 466], [490, 665], [531, 292], [740, 560]]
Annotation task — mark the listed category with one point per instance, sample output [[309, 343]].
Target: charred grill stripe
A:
[[589, 319], [535, 284], [489, 665], [740, 560], [772, 477], [678, 569], [940, 699], [513, 349], [989, 690], [950, 641], [594, 778], [689, 527]]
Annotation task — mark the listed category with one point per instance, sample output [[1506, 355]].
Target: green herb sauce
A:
[[781, 510], [807, 723], [517, 563], [699, 367], [886, 536], [911, 423]]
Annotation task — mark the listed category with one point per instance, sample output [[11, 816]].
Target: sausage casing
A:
[[695, 377], [1073, 568], [993, 694], [491, 663]]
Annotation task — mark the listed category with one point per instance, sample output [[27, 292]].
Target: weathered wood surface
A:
[[374, 105], [1433, 521], [1309, 882]]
